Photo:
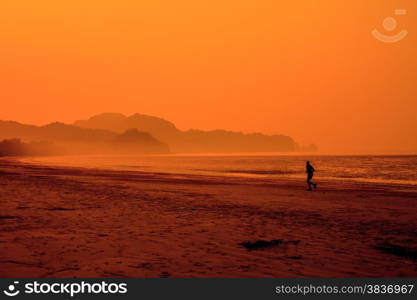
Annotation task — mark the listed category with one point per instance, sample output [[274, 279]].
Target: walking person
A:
[[310, 173]]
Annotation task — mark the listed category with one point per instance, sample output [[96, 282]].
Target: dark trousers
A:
[[309, 179]]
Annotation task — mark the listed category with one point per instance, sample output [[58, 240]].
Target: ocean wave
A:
[[262, 172]]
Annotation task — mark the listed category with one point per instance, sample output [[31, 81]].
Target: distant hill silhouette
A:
[[133, 139], [111, 132], [73, 139], [196, 141], [53, 132], [157, 127]]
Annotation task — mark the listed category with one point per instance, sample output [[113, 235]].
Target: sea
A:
[[392, 169]]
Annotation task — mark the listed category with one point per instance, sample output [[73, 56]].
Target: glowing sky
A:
[[309, 69]]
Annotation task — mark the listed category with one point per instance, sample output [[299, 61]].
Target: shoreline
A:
[[227, 175], [82, 222]]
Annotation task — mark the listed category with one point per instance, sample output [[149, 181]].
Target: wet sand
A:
[[74, 222]]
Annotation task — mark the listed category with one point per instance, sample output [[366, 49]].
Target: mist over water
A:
[[382, 169]]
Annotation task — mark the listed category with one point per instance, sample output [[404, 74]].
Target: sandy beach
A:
[[75, 222]]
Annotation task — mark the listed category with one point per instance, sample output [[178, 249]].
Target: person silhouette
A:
[[310, 173]]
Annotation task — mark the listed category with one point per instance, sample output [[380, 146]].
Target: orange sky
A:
[[309, 69]]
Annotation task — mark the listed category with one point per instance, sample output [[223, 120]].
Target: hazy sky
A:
[[309, 69]]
